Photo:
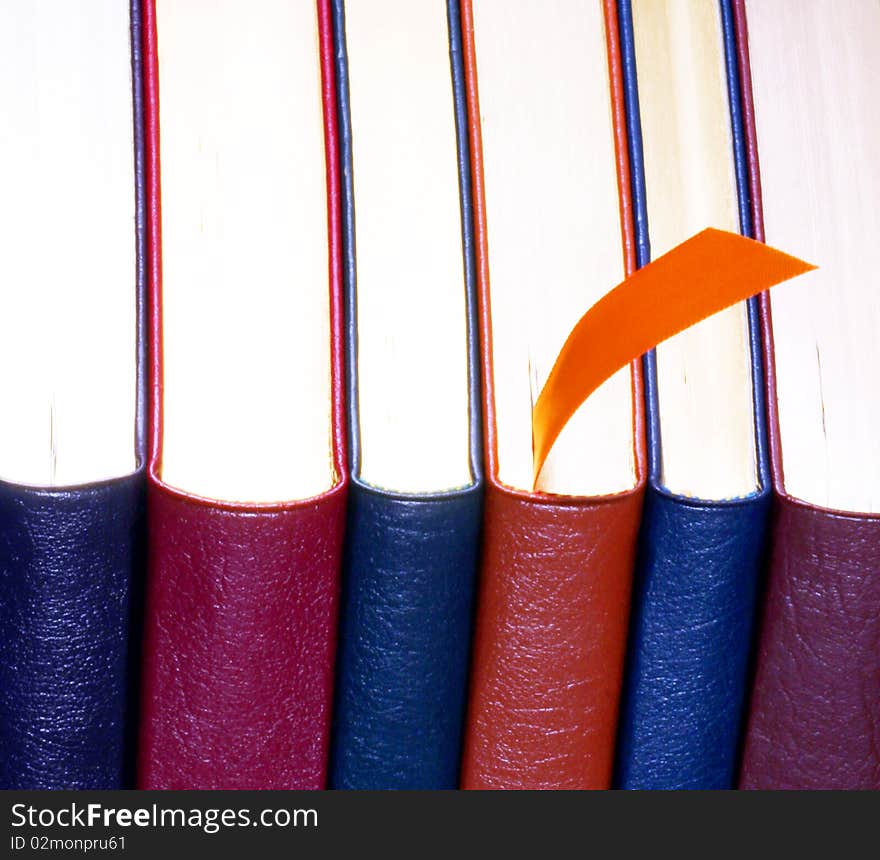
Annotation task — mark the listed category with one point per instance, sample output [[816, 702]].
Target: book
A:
[[553, 233], [808, 81], [707, 500], [71, 442], [415, 496], [246, 474]]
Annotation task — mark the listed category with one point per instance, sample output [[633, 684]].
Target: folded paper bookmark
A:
[[700, 277]]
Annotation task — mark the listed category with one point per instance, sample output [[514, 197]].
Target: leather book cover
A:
[[814, 718], [71, 563], [699, 562], [411, 559], [553, 598], [242, 598]]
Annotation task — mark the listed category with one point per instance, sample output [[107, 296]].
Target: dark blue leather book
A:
[[71, 497], [415, 500], [700, 552]]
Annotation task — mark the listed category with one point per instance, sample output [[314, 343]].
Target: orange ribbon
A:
[[700, 277]]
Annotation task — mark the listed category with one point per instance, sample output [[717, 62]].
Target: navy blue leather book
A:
[[72, 445], [708, 498], [415, 500]]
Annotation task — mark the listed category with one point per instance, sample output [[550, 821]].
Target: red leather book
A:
[[557, 561], [815, 707], [242, 591]]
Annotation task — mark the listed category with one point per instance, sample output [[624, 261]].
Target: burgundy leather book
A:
[[247, 483], [815, 706], [554, 231]]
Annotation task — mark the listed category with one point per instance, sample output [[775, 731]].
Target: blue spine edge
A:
[[410, 562], [73, 559], [699, 561]]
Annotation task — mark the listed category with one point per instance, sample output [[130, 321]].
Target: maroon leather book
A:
[[242, 597], [814, 721], [815, 713]]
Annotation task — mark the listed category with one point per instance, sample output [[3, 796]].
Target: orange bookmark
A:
[[702, 276]]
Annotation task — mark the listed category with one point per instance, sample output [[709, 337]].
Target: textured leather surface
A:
[[240, 638], [556, 571], [71, 574], [815, 711], [699, 561], [411, 559], [405, 640], [67, 558], [549, 643], [690, 640], [242, 598]]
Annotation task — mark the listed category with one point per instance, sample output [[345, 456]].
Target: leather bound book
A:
[[553, 234], [815, 706], [415, 498], [708, 493], [246, 478], [71, 442]]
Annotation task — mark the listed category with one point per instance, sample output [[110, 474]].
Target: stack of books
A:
[[281, 284]]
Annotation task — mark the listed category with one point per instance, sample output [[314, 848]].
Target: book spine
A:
[[411, 559], [242, 599], [700, 561], [814, 719], [556, 572], [404, 640], [549, 643], [68, 566], [71, 578], [690, 640], [239, 646]]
